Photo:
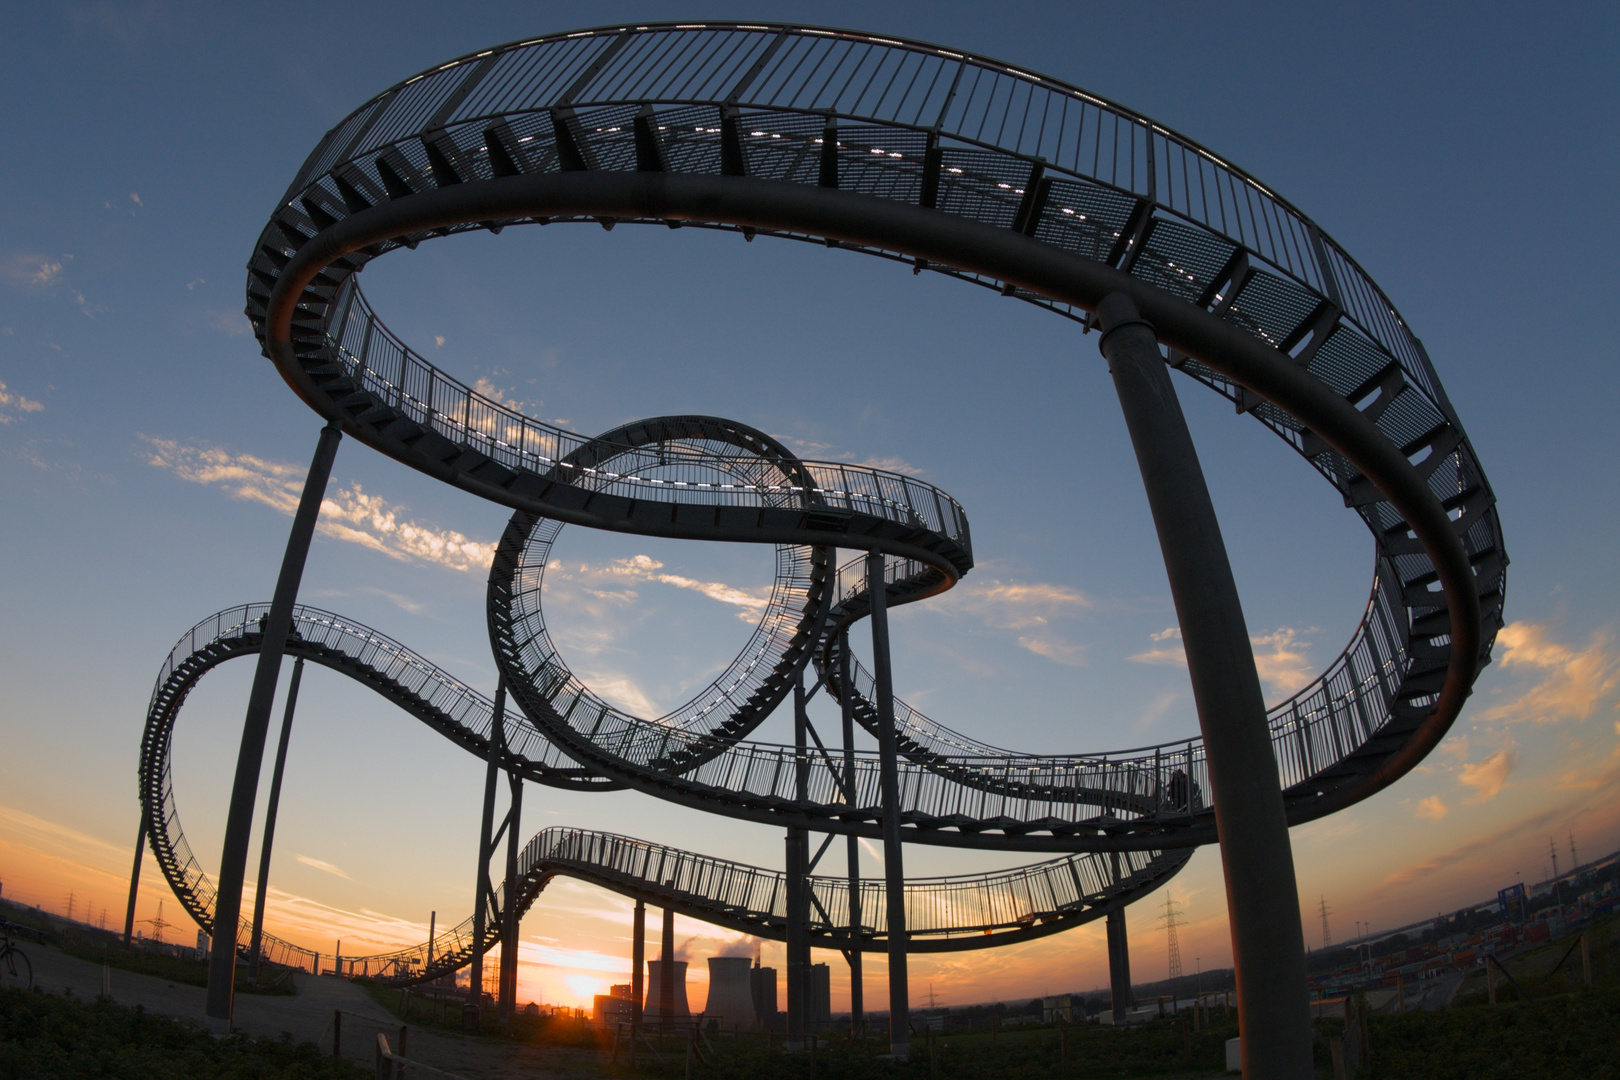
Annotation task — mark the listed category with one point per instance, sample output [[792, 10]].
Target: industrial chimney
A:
[[655, 980], [731, 997]]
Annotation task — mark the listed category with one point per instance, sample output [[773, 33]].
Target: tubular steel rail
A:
[[946, 913], [949, 162]]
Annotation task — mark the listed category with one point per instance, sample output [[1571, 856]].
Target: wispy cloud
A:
[[1028, 606], [14, 405], [1063, 652], [819, 451], [644, 568], [1572, 683], [346, 514], [1433, 808], [30, 271], [1489, 776], [1281, 658], [323, 866]]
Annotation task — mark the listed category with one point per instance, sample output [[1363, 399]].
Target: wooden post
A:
[[1490, 982], [337, 1031], [1586, 962], [1400, 993], [1063, 1049]]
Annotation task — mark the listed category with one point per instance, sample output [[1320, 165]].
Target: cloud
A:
[[818, 451], [1488, 777], [1280, 657], [346, 514], [323, 866], [1432, 808], [136, 199], [622, 691], [32, 271], [1056, 649], [13, 405], [1573, 683], [645, 568], [1016, 605], [438, 341]]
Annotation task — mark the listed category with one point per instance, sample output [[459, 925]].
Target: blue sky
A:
[[1466, 160]]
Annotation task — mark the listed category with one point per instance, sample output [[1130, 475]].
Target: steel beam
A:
[[857, 996], [255, 728], [1122, 999], [475, 975], [509, 909], [1268, 945], [894, 874], [257, 937], [798, 908], [666, 973], [135, 881]]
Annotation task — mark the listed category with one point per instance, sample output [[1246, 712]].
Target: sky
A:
[[150, 457]]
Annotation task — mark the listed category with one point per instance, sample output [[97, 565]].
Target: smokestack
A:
[[731, 996], [678, 997]]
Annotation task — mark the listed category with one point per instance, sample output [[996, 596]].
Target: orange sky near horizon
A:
[[1536, 756]]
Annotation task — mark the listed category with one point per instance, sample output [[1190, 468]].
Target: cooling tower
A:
[[655, 971], [731, 997]]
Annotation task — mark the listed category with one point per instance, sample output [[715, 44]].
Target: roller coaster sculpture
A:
[[947, 162]]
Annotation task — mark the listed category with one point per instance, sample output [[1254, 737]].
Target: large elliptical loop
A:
[[731, 126]]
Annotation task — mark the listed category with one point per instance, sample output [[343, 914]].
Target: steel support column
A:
[[1121, 999], [255, 728], [135, 881], [1268, 945], [666, 973], [509, 909], [638, 964], [798, 856], [894, 874], [857, 997], [257, 937], [481, 890]]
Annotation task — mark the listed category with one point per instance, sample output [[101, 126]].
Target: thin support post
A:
[[255, 729], [798, 915], [666, 973], [475, 974], [894, 875], [509, 928], [857, 997], [1268, 944], [638, 965], [256, 939], [135, 881], [1119, 966]]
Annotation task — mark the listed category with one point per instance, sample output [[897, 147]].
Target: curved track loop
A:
[[958, 164], [947, 913]]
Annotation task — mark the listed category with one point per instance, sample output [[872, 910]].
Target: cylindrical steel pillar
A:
[[255, 728], [257, 936], [666, 973], [509, 913], [894, 874], [798, 855], [1268, 945], [638, 962], [475, 973], [135, 881], [857, 997], [1122, 1000]]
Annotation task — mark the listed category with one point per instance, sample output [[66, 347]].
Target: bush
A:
[[50, 1037]]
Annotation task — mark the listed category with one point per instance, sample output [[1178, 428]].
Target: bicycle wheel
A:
[[16, 973]]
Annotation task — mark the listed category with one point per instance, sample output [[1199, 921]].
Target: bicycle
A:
[[16, 973]]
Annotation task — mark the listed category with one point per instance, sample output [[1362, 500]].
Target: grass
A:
[[49, 1037]]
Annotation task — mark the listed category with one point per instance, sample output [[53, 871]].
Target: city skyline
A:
[[124, 402]]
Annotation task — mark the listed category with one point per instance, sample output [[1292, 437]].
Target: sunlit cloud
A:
[[323, 866], [749, 602], [1432, 808], [31, 271], [1573, 683], [14, 405], [819, 451], [1056, 649], [1489, 776], [1281, 658], [346, 514]]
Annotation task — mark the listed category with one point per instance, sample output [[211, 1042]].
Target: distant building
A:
[[612, 1009], [762, 981], [1055, 1009], [655, 982], [818, 1009]]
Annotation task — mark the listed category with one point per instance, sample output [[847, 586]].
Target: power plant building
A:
[[818, 1009], [762, 981], [655, 983], [731, 992]]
